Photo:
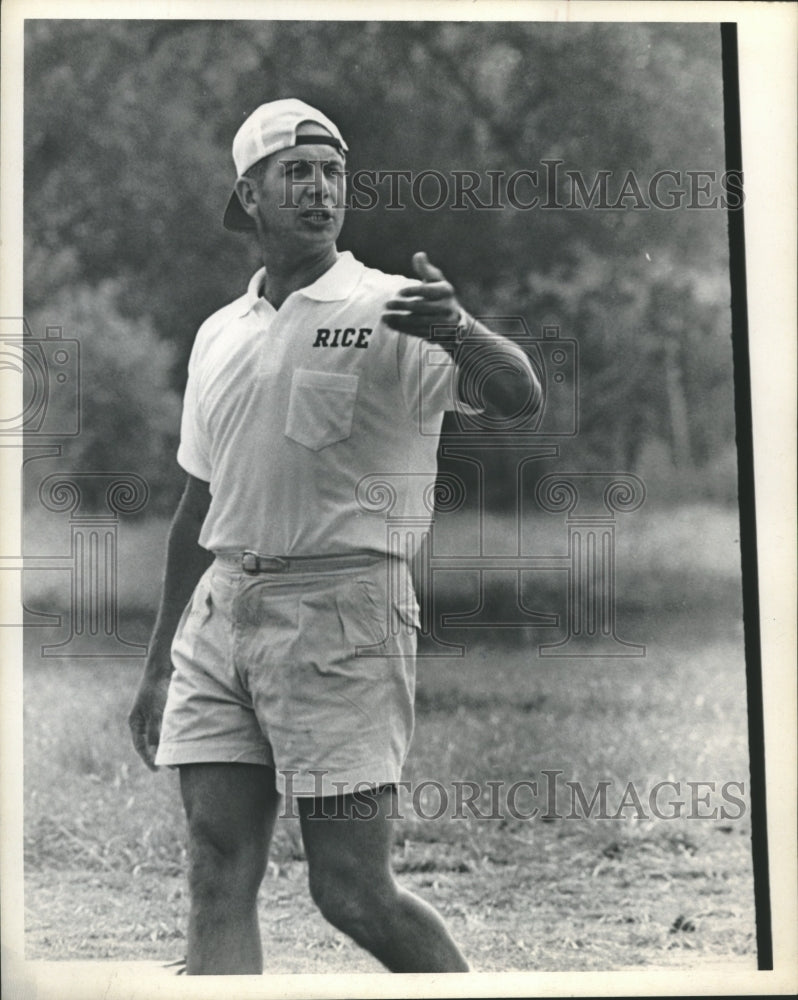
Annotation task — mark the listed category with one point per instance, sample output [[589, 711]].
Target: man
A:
[[287, 665]]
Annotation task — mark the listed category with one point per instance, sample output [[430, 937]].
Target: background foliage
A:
[[127, 169]]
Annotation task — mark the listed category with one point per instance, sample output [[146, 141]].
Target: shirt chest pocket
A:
[[321, 407]]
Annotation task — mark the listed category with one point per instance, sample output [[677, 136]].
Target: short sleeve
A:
[[193, 453], [428, 376]]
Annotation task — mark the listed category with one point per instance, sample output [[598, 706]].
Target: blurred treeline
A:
[[128, 127]]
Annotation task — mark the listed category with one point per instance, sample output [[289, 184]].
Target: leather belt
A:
[[253, 562]]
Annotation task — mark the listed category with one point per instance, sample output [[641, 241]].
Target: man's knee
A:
[[223, 863], [354, 903]]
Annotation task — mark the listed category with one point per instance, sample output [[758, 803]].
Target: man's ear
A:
[[245, 189]]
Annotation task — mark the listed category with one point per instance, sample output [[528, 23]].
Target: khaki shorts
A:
[[310, 673]]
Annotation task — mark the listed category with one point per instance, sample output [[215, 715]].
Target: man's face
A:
[[300, 196]]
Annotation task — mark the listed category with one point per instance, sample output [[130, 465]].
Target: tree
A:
[[129, 412], [128, 169]]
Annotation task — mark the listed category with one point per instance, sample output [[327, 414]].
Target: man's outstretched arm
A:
[[185, 564], [494, 373]]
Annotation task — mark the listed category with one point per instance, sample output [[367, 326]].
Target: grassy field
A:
[[105, 844]]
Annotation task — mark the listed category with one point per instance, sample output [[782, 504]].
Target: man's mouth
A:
[[317, 214]]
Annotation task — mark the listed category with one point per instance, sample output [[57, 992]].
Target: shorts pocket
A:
[[362, 614], [195, 613], [200, 605], [320, 408], [409, 615]]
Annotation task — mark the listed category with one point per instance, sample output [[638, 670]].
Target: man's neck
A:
[[284, 275]]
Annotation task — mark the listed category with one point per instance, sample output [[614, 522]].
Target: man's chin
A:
[[306, 233]]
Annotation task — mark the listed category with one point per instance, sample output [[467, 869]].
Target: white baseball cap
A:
[[270, 128]]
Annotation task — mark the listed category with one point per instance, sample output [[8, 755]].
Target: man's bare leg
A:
[[352, 884], [231, 809]]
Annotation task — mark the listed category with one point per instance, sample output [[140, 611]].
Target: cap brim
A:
[[235, 218]]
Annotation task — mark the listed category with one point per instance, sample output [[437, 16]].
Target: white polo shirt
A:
[[294, 416]]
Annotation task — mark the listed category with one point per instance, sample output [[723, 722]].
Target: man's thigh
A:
[[350, 834], [230, 808]]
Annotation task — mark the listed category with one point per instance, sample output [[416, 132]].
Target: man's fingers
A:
[[433, 308], [425, 270], [153, 736], [418, 325], [429, 290], [145, 750], [143, 743], [418, 309], [154, 730]]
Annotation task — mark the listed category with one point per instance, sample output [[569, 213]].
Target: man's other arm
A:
[[186, 561], [494, 374]]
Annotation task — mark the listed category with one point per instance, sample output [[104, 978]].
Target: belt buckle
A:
[[249, 562]]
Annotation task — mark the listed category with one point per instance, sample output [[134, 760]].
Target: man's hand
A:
[[421, 307], [185, 564], [494, 375], [146, 715]]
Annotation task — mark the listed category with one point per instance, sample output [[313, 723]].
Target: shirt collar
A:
[[337, 283]]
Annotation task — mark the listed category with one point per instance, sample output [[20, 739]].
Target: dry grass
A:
[[105, 845], [577, 894]]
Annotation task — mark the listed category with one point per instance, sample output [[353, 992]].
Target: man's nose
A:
[[325, 186]]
